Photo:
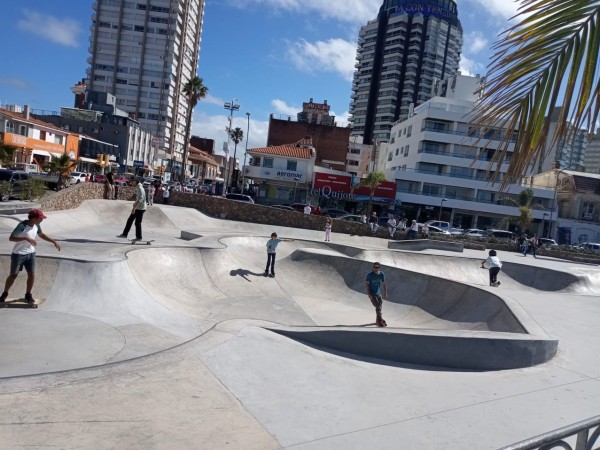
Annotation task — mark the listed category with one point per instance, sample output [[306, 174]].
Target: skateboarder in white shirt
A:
[[23, 254]]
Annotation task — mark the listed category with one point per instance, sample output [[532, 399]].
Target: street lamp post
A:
[[231, 106], [245, 151], [441, 205], [296, 179]]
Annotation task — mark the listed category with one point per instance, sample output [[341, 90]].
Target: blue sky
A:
[[270, 54]]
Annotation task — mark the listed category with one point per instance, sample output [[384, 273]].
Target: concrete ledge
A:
[[456, 350], [426, 244], [189, 236]]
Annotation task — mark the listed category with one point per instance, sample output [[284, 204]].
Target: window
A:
[[268, 162], [588, 210], [255, 161], [23, 130], [406, 150], [291, 165]]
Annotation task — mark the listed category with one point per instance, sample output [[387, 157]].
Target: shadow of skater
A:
[[244, 274]]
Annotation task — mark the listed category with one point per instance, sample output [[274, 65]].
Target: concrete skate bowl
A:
[[432, 321], [584, 280], [94, 314]]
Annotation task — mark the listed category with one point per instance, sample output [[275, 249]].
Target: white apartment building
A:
[[358, 159], [144, 52], [431, 155]]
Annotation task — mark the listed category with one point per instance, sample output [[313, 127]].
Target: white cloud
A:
[[282, 107], [62, 31], [502, 9], [353, 11], [468, 66], [212, 100], [475, 42], [334, 55], [213, 127], [15, 82]]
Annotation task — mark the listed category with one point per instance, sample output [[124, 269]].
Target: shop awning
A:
[[41, 153], [84, 159]]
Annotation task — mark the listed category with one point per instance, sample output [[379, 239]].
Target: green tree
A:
[[373, 180], [6, 153], [523, 203], [550, 56], [62, 165], [194, 91], [237, 136]]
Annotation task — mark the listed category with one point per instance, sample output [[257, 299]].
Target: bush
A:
[[5, 190], [33, 189]]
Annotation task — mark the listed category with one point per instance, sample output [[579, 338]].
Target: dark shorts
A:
[[17, 262]]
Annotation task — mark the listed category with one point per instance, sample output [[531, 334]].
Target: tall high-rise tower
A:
[[144, 52], [401, 54]]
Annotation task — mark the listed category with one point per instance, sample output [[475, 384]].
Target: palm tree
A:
[[237, 136], [373, 180], [6, 153], [63, 165], [194, 91], [553, 50], [523, 203]]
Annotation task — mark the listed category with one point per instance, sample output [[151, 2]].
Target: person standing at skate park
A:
[[374, 283], [272, 251], [328, 226], [137, 212], [110, 185], [23, 253], [373, 222], [495, 265]]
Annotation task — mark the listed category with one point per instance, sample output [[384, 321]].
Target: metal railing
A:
[[584, 432]]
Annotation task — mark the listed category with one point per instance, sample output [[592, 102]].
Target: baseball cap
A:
[[36, 213]]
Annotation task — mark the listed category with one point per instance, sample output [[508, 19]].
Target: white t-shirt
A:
[[494, 261], [25, 230], [307, 209]]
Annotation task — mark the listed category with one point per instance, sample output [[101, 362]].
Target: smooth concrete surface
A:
[[179, 344]]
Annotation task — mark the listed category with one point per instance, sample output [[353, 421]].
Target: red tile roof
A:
[[197, 154], [302, 149]]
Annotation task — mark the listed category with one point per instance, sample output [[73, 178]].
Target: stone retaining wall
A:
[[221, 208]]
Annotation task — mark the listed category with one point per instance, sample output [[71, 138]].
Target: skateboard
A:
[[142, 242], [21, 303]]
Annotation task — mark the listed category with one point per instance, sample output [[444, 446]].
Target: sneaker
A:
[[122, 236], [136, 240], [266, 273], [498, 283], [29, 298], [272, 274], [3, 298]]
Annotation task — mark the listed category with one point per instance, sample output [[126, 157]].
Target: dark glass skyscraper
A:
[[400, 55]]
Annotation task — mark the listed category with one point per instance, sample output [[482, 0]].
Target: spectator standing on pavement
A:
[[533, 244], [307, 209], [110, 185], [363, 217], [392, 225], [137, 212], [524, 244], [328, 226], [23, 253], [166, 195], [151, 192], [413, 230], [495, 265], [373, 222]]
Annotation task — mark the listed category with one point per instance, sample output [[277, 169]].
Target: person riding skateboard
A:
[[374, 283], [137, 212], [23, 253], [271, 252]]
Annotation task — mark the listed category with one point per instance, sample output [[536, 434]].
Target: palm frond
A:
[[550, 56]]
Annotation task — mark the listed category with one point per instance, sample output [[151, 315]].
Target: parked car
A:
[[284, 207], [502, 235], [239, 198], [439, 224], [334, 213], [15, 178], [591, 247], [350, 218], [99, 178], [436, 230], [474, 233], [77, 177], [545, 242]]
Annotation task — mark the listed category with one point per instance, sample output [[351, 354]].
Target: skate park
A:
[[185, 344]]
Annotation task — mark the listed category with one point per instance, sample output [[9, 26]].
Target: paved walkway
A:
[[172, 345]]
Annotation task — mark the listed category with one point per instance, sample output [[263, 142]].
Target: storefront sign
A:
[[334, 182], [33, 144], [327, 192]]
